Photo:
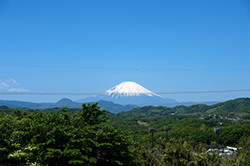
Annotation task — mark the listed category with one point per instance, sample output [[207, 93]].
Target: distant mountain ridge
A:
[[122, 97], [239, 105], [65, 102]]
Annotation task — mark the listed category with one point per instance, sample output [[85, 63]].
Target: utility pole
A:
[[217, 131], [166, 129], [152, 131]]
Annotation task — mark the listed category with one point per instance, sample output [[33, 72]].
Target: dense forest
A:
[[90, 136], [194, 123]]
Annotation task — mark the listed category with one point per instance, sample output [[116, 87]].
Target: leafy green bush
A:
[[62, 138]]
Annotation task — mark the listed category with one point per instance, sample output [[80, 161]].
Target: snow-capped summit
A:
[[129, 88], [129, 92]]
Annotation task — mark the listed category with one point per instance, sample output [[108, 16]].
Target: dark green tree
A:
[[62, 138]]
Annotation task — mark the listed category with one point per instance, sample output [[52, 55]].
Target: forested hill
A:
[[88, 137], [237, 106], [194, 123]]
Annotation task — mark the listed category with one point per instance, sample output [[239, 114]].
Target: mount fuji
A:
[[129, 92]]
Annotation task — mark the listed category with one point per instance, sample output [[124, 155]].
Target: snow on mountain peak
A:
[[129, 88]]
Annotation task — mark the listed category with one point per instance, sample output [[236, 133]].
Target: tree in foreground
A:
[[61, 138]]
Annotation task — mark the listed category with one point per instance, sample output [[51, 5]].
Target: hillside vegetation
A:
[[195, 122], [89, 136]]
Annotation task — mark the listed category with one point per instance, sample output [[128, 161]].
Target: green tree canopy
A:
[[62, 138]]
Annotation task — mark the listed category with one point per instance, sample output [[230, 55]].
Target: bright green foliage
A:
[[147, 158], [79, 137], [181, 153], [61, 138]]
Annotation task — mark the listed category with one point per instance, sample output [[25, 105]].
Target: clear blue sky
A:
[[175, 45]]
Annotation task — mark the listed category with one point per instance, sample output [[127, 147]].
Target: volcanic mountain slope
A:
[[129, 92]]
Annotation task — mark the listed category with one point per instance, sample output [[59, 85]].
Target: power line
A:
[[84, 94], [112, 68], [215, 91], [69, 67]]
